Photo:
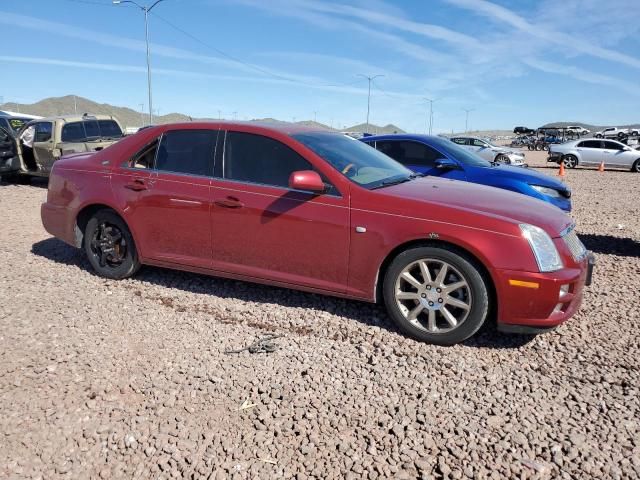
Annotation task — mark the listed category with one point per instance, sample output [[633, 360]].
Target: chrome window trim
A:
[[247, 182]]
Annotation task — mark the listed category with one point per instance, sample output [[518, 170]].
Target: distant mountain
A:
[[69, 104], [375, 129]]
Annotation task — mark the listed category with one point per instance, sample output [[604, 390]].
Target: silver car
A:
[[593, 152], [490, 152]]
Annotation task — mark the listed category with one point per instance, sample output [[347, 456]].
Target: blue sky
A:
[[515, 63]]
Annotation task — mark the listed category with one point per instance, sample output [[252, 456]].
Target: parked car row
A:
[[308, 209], [593, 152]]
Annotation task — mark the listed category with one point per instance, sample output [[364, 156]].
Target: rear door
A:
[[591, 152], [263, 229]]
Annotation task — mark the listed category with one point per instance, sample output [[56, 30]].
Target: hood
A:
[[490, 202], [532, 177]]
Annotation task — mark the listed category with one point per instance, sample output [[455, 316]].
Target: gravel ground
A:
[[129, 379]]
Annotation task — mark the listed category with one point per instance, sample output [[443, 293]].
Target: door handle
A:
[[136, 185], [229, 202]]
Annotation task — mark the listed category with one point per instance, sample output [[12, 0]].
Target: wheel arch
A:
[[85, 214], [484, 271]]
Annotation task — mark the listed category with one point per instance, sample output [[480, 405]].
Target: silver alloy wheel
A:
[[570, 161], [433, 295]]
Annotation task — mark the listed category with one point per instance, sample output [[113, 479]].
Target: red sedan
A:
[[321, 212]]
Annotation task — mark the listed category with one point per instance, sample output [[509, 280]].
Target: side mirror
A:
[[307, 180], [446, 164]]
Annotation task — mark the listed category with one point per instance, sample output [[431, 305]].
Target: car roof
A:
[[400, 136], [74, 118], [265, 126]]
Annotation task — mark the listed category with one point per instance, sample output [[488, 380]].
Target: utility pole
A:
[[219, 115], [141, 114], [75, 105], [466, 120], [431, 100], [370, 79], [146, 10], [315, 114]]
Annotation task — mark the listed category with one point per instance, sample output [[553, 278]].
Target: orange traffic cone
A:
[[601, 167], [561, 171]]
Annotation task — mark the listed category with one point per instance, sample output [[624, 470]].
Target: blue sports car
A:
[[441, 157]]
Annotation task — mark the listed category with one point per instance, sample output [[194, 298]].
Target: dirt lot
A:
[[129, 380]]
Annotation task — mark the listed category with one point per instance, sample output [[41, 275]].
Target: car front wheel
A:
[[502, 159], [570, 161], [436, 294], [109, 246], [636, 166]]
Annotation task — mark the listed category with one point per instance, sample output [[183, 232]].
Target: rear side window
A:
[[187, 151], [410, 153], [109, 128], [43, 132], [590, 144], [73, 132], [460, 141], [478, 143], [258, 159]]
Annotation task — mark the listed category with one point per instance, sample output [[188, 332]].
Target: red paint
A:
[[307, 239]]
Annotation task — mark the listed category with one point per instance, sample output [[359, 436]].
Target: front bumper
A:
[[554, 157], [532, 302]]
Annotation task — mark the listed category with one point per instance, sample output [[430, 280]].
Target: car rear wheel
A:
[[502, 159], [109, 246], [538, 147], [570, 161], [436, 294]]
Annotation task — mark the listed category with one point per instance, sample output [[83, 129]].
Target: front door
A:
[[165, 192], [8, 151], [43, 146], [263, 229], [418, 157]]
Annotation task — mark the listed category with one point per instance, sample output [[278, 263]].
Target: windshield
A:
[[458, 153], [17, 123], [356, 160]]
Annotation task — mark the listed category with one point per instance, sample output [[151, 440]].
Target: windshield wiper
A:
[[388, 183]]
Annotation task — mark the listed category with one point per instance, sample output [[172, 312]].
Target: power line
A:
[[247, 64]]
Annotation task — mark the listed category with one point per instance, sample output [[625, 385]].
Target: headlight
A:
[[543, 248], [550, 192]]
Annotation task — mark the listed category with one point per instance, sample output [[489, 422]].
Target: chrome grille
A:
[[577, 249]]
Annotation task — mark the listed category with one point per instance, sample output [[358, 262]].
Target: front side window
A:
[[258, 159], [410, 153], [187, 151], [613, 146], [43, 131]]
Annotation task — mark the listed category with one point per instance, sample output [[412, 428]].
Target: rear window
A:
[[90, 130]]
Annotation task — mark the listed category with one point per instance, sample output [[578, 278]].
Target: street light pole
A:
[[146, 9], [370, 79], [466, 120], [431, 100]]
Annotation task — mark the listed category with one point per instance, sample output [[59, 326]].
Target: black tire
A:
[[16, 178], [570, 161], [598, 136], [105, 231], [539, 147], [501, 158], [460, 265], [636, 166]]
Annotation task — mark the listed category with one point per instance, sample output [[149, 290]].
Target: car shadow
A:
[[40, 182], [362, 312], [610, 245]]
